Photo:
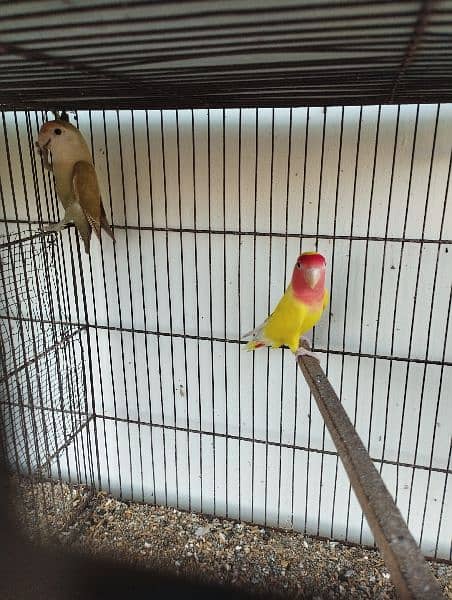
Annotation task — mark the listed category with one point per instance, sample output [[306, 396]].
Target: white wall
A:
[[218, 285]]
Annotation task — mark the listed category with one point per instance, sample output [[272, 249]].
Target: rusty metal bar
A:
[[409, 571]]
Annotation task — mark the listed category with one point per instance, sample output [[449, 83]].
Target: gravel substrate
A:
[[215, 550]]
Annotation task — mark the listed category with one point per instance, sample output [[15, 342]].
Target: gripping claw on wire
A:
[[304, 349]]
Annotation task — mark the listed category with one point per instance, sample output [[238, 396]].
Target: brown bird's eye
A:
[[57, 131]]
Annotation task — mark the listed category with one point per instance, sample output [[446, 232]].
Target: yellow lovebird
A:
[[298, 310]]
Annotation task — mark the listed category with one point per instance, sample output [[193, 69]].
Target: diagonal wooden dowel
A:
[[409, 571]]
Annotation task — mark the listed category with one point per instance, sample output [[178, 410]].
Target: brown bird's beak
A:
[[42, 143], [312, 277]]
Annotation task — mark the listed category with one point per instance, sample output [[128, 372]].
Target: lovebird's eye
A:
[[298, 266], [57, 131]]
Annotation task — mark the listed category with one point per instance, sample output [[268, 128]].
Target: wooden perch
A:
[[409, 571]]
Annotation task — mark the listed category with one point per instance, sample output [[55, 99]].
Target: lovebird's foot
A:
[[56, 227], [305, 352]]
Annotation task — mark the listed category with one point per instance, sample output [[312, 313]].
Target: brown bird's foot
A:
[[56, 227], [305, 352]]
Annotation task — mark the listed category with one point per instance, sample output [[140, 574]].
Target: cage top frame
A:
[[100, 54]]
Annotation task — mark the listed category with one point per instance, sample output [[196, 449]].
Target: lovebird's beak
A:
[[43, 141], [312, 277]]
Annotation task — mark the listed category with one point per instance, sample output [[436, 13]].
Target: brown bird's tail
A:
[[75, 213], [84, 229], [97, 227]]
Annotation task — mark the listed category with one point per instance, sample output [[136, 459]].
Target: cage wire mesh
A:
[[135, 53], [43, 384], [210, 208]]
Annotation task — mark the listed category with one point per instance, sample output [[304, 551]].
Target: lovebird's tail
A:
[[256, 341], [254, 345]]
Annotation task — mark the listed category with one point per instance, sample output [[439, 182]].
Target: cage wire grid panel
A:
[[210, 209], [43, 388], [185, 54]]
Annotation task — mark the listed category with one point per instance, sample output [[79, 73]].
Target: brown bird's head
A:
[[57, 134]]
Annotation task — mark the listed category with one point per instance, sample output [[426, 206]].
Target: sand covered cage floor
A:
[[215, 550]]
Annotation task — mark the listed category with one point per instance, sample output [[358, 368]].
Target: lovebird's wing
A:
[[285, 325], [87, 193]]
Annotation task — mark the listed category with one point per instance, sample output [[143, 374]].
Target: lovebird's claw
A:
[[56, 227], [305, 352]]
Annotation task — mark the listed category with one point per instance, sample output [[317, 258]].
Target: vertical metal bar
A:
[[303, 207], [184, 328], [85, 319], [319, 202], [347, 284], [145, 320], [380, 297], [317, 232], [157, 318], [89, 441], [212, 369], [140, 261], [256, 160], [120, 311], [225, 314], [295, 394], [134, 357], [143, 306], [198, 356], [429, 327], [410, 573], [333, 253], [107, 302], [344, 330], [96, 334], [82, 315], [239, 309], [165, 199], [267, 391], [365, 290], [410, 179], [281, 398]]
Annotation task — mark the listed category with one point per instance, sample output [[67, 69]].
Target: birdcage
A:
[[226, 138]]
